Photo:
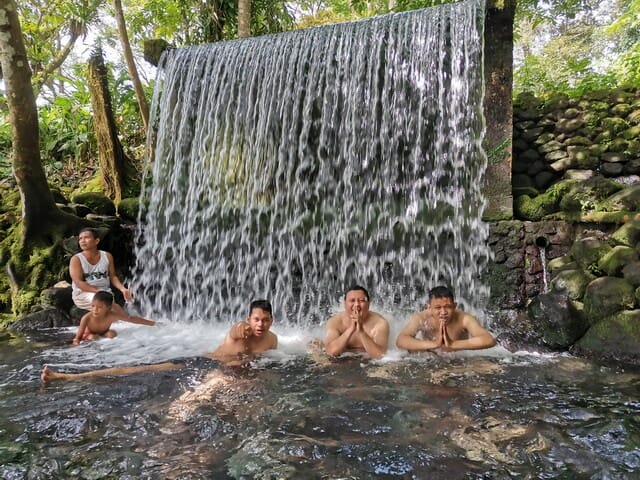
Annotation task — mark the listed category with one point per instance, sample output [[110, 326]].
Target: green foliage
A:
[[586, 45]]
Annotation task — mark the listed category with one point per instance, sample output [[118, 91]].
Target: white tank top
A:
[[96, 275]]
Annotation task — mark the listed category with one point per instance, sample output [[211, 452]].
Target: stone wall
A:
[[561, 138]]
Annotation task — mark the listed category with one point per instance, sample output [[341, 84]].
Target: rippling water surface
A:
[[294, 414]]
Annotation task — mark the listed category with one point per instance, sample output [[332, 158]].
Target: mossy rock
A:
[[572, 283], [588, 251], [628, 234], [618, 145], [615, 259], [606, 217], [129, 208], [634, 117], [535, 208], [606, 296], [621, 109], [527, 101], [565, 262], [631, 273], [627, 198], [614, 125], [98, 202], [617, 336], [631, 133], [578, 141], [588, 195], [556, 101]]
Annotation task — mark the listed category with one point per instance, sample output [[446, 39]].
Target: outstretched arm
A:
[[49, 375]]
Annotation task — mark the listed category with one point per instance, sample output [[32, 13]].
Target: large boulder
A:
[[47, 318], [615, 259], [617, 336], [628, 234], [631, 273], [571, 282], [606, 296], [556, 324], [97, 202], [587, 251]]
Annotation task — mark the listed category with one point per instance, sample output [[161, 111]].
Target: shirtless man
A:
[[249, 337], [443, 327], [97, 323], [92, 271], [357, 328], [244, 341]]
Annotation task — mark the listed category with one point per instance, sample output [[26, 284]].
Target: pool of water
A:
[[294, 414]]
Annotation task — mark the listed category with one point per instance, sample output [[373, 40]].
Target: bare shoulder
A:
[[273, 340], [467, 319], [378, 320], [336, 321]]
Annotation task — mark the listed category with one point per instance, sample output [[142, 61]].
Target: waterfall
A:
[[290, 166]]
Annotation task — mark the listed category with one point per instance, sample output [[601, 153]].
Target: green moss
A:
[[98, 202], [614, 125], [534, 208], [128, 209]]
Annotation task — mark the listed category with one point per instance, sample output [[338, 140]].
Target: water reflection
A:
[[293, 415]]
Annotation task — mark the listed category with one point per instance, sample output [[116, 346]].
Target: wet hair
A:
[[355, 288], [104, 297], [262, 305], [92, 231], [441, 292]]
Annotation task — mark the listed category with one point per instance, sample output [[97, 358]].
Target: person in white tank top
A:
[[93, 270]]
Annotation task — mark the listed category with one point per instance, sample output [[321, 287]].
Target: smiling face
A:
[[356, 301], [441, 308], [260, 321]]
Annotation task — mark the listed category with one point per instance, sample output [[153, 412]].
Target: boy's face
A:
[[259, 321], [441, 308], [99, 309]]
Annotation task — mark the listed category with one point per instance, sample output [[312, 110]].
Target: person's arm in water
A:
[[49, 375], [479, 337], [81, 328], [336, 342], [115, 281], [407, 338], [138, 320]]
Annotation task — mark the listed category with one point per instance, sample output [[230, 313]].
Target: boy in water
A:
[[97, 322], [244, 341], [443, 327]]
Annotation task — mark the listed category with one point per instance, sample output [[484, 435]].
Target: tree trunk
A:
[[40, 215], [498, 107], [244, 18], [115, 167], [131, 65]]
